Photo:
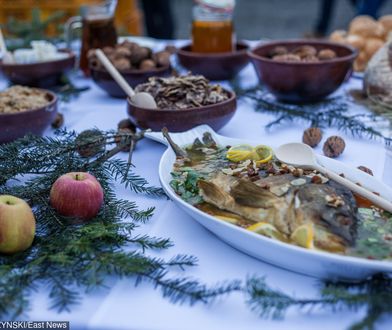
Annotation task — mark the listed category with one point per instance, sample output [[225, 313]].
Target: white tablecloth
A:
[[124, 306]]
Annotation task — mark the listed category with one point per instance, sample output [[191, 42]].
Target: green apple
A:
[[17, 225]]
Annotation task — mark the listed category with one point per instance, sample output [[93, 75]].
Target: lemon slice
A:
[[267, 229], [303, 236], [264, 154], [240, 152], [227, 219], [261, 154]]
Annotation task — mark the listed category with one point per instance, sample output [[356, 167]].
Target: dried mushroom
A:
[[183, 92]]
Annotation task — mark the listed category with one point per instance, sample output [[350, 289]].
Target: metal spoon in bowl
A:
[[301, 155], [142, 99]]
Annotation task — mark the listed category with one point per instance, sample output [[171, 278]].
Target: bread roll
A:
[[372, 46], [338, 36], [366, 27], [356, 41]]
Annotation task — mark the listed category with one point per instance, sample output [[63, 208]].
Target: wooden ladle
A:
[[301, 155], [142, 99]]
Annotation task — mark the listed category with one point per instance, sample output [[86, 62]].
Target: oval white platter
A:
[[305, 261]]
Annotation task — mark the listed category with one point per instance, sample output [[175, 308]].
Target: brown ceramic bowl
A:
[[134, 77], [41, 74], [16, 125], [302, 82], [215, 66], [215, 115]]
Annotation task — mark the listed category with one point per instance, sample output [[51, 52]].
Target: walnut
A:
[[123, 51], [278, 50], [171, 49], [147, 65], [91, 54], [305, 51], [108, 50], [310, 58], [366, 170], [58, 121], [129, 44], [139, 54], [287, 58], [326, 54], [126, 123], [122, 64], [334, 146], [162, 58], [312, 136]]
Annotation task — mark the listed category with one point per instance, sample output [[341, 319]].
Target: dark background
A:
[[275, 19]]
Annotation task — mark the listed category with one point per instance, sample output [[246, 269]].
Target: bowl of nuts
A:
[[183, 102], [302, 71], [135, 63], [25, 110]]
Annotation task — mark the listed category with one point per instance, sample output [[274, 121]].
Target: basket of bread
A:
[[365, 34]]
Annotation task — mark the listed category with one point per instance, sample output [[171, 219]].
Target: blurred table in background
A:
[[128, 16]]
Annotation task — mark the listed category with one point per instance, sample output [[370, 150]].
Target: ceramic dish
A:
[[302, 82], [17, 125], [214, 66], [309, 262], [216, 115], [40, 74]]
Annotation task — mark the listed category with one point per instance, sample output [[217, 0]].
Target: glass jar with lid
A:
[[212, 26]]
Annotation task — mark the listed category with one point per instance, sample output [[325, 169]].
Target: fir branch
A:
[[374, 293], [67, 254], [331, 112]]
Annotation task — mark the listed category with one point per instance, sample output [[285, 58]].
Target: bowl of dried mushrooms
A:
[[135, 63], [183, 102], [25, 110], [302, 71]]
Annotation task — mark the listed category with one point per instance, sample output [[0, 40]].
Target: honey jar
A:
[[212, 26]]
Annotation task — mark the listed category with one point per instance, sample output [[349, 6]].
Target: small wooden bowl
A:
[[215, 115], [214, 66], [18, 124], [302, 82], [133, 77], [40, 74]]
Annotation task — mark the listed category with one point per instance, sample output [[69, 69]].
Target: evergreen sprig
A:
[[374, 294], [330, 112], [66, 254]]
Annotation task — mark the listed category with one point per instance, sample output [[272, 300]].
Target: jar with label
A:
[[212, 26]]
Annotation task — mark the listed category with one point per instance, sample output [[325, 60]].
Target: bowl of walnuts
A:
[[302, 71], [135, 63]]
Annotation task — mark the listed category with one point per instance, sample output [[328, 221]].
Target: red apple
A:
[[77, 194], [17, 225]]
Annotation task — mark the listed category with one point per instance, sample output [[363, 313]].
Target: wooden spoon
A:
[[142, 99], [301, 155]]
